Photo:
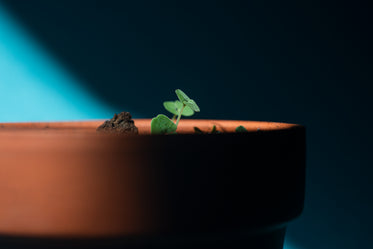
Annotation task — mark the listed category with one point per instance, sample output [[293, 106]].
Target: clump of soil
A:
[[120, 123]]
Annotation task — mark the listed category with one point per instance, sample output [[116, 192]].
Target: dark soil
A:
[[120, 123]]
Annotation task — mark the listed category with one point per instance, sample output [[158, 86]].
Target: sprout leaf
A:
[[175, 106], [162, 125], [186, 100], [192, 105], [182, 96]]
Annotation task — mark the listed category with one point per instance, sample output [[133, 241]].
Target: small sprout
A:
[[197, 130], [213, 130], [185, 106], [241, 129]]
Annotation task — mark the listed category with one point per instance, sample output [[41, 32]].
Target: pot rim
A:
[[186, 126]]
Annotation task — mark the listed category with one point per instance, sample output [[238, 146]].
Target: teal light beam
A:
[[34, 86]]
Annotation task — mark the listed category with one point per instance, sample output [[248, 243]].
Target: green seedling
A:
[[197, 130], [241, 129], [213, 130], [185, 106]]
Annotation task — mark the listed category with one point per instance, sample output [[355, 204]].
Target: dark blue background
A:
[[306, 62]]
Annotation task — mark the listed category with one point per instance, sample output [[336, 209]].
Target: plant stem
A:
[[179, 116]]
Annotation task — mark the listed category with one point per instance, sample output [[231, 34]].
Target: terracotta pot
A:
[[63, 184]]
